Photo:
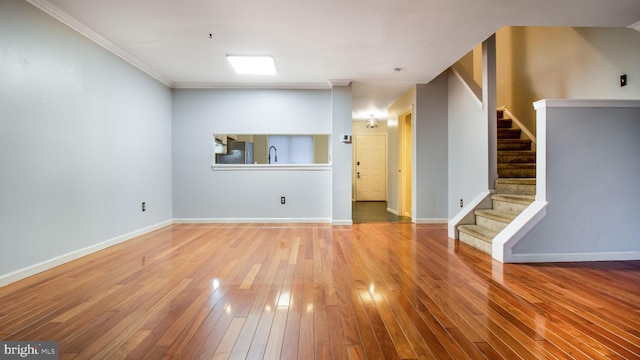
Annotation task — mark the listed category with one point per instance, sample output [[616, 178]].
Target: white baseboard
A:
[[431, 221], [9, 278], [574, 257], [394, 212], [252, 221], [342, 222]]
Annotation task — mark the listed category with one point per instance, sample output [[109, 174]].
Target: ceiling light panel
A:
[[253, 65]]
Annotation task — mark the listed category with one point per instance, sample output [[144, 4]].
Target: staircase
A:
[[515, 187]]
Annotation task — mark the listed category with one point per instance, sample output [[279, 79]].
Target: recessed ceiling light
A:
[[253, 65]]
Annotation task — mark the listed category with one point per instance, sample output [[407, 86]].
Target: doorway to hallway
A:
[[370, 163]]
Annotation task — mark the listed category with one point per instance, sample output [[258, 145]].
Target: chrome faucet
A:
[[276, 153]]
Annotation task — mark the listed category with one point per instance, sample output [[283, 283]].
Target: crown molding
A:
[[635, 26], [339, 82], [82, 29], [275, 86]]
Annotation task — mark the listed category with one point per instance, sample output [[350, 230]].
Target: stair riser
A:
[[491, 224], [516, 159], [517, 173], [514, 146], [509, 134], [516, 189], [475, 242], [509, 207], [504, 123]]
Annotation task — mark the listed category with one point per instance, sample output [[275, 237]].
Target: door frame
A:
[[405, 183]]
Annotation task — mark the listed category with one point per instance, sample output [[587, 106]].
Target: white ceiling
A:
[[316, 41]]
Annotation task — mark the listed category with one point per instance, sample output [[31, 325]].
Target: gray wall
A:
[[468, 146], [84, 139], [202, 194], [342, 155], [592, 186], [431, 143]]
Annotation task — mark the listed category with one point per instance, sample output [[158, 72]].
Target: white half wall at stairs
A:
[[587, 202]]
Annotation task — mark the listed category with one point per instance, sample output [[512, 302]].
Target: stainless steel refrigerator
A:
[[238, 152]]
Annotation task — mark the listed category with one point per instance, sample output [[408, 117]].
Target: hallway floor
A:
[[374, 211]]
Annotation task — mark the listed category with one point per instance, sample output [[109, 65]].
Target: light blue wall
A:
[[431, 143], [205, 195], [468, 147], [84, 139], [342, 155]]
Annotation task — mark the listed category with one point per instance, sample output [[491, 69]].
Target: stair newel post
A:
[[489, 103]]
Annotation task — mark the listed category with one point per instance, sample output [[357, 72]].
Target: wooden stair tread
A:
[[516, 152], [496, 215], [514, 144], [518, 199], [515, 141], [517, 181], [479, 232], [517, 165], [505, 131], [521, 156]]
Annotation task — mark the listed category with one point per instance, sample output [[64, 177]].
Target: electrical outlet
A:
[[283, 200], [461, 203], [144, 206], [623, 80]]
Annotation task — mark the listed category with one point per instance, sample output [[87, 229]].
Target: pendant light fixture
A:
[[372, 122]]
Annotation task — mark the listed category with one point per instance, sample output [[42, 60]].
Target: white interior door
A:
[[371, 167]]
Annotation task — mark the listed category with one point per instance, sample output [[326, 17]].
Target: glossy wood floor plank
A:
[[309, 291]]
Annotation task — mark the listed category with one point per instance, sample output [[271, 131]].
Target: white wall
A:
[[468, 146], [84, 139], [536, 63], [200, 193], [430, 158], [592, 173]]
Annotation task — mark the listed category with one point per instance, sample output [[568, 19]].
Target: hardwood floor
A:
[[370, 291]]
